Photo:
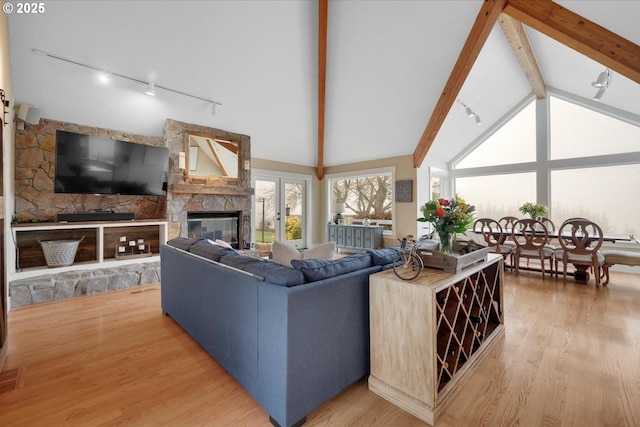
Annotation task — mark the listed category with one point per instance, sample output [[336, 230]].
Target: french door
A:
[[279, 210]]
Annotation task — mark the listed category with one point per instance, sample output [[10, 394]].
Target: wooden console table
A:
[[428, 334]]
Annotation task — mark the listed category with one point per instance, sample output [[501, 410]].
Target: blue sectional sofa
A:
[[292, 337]]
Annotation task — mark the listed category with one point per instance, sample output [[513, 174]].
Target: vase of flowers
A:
[[534, 210], [448, 217]]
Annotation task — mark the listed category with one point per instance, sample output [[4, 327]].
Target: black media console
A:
[[96, 216]]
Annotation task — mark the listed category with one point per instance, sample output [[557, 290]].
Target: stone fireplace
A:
[[230, 197], [216, 225]]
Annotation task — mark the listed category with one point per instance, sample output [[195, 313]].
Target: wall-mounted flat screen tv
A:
[[87, 164]]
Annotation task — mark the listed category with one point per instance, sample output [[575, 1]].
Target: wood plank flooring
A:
[[570, 357]]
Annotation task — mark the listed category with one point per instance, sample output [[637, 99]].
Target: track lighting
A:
[[603, 79], [151, 89], [104, 75], [602, 84], [471, 113]]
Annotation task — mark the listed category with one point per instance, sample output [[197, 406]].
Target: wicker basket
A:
[[60, 253]]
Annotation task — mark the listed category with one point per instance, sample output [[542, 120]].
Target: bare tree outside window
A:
[[366, 197]]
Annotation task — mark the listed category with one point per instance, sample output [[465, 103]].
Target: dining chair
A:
[[558, 250], [581, 240], [531, 237], [492, 233]]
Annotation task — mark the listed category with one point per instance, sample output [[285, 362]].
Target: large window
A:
[[588, 133], [603, 194], [495, 196], [589, 166], [515, 142], [364, 195]]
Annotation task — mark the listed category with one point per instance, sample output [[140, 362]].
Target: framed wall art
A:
[[404, 191]]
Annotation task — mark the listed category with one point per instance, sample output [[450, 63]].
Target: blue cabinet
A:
[[355, 237]]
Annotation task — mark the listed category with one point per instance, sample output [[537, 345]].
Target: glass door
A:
[[279, 210]]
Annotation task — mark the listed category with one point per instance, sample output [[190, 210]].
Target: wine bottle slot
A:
[[475, 319]]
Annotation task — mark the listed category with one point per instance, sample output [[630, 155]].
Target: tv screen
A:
[[87, 164]]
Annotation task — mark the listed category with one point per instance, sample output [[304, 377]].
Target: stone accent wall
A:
[[35, 163], [54, 287], [178, 204]]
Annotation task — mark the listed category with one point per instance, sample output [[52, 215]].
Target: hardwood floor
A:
[[570, 357]]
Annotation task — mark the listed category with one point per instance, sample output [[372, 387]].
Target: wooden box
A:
[[451, 263]]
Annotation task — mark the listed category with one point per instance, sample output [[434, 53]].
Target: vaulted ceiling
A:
[[387, 65]]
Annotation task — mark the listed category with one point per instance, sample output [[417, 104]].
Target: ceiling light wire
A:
[[151, 86]]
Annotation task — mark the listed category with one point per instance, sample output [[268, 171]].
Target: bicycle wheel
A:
[[407, 267]]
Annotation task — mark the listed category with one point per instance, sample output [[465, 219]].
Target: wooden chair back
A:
[[530, 235], [581, 240], [548, 223], [490, 230], [507, 222], [580, 237]]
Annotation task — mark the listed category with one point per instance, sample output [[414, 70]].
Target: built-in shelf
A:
[[97, 249]]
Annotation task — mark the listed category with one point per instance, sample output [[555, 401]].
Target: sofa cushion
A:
[[383, 256], [182, 243], [320, 269], [271, 271], [209, 251]]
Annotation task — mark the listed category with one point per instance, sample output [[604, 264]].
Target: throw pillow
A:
[[283, 253], [209, 251], [321, 251], [219, 243], [182, 243], [383, 256]]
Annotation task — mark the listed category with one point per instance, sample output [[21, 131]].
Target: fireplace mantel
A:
[[211, 189]]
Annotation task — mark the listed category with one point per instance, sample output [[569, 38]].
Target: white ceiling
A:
[[387, 63]]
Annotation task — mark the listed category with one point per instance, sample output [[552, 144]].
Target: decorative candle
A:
[[182, 162], [123, 238]]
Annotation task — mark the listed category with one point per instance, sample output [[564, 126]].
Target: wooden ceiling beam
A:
[[517, 38], [580, 34], [322, 79], [487, 17]]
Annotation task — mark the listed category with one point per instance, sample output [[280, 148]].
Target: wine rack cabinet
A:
[[428, 334]]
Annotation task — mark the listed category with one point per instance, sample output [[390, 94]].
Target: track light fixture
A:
[[151, 89], [471, 113], [602, 84], [151, 86]]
